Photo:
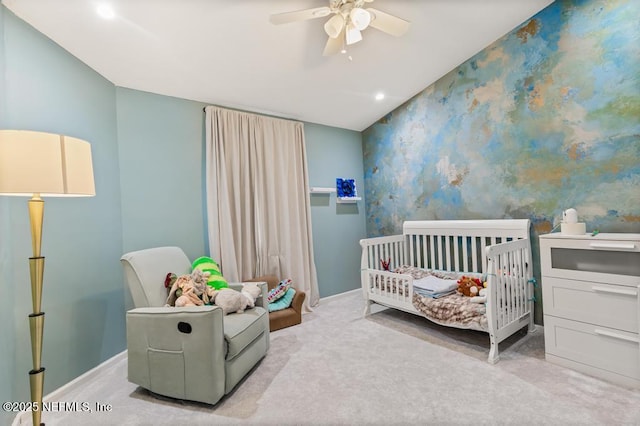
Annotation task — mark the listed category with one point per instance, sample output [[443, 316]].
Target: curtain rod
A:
[[282, 116]]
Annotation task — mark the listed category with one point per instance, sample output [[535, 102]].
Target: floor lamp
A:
[[37, 164]]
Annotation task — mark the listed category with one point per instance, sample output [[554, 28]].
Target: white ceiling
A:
[[225, 52]]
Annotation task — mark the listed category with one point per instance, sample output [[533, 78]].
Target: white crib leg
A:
[[493, 352], [367, 308], [532, 326]]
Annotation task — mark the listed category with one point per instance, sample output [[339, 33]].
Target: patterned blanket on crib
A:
[[454, 310]]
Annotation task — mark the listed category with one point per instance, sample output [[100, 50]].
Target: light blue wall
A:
[[161, 143], [148, 165], [337, 228], [47, 89], [7, 332]]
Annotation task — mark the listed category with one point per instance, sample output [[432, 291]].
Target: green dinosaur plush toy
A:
[[206, 264]]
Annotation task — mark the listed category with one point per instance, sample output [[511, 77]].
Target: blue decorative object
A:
[[346, 187]]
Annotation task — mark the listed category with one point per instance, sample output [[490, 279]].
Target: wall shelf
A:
[[321, 190], [348, 199]]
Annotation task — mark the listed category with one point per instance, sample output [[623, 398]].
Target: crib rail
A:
[[388, 288], [383, 248], [510, 285], [451, 252], [458, 245]]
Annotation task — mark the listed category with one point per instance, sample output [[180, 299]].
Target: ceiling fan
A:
[[348, 20]]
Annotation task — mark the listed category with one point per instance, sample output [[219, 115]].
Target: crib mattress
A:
[[454, 310]]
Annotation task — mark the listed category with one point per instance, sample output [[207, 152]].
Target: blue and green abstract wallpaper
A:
[[546, 118]]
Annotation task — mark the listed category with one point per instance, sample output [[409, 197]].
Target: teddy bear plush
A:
[[237, 301], [191, 290], [469, 286]]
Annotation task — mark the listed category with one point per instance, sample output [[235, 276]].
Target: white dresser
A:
[[590, 287]]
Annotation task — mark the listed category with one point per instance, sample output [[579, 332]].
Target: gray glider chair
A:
[[192, 353]]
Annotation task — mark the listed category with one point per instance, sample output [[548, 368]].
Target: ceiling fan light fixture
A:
[[360, 18], [353, 35], [348, 18], [333, 27]]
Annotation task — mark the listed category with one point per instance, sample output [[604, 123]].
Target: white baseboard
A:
[[24, 417], [333, 296], [336, 296]]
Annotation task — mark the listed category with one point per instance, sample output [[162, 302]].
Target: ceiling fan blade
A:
[[388, 23], [334, 45], [334, 26], [360, 18], [299, 15], [353, 35]]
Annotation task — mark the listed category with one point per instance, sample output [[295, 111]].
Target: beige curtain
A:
[[258, 205]]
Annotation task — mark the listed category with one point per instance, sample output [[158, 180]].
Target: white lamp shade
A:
[[44, 163], [333, 27], [360, 18]]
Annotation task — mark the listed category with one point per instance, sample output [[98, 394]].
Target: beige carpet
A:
[[391, 368]]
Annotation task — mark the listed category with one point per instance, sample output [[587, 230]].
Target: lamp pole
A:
[[36, 318]]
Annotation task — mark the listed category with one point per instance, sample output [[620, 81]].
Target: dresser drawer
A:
[[607, 305], [614, 261], [608, 349]]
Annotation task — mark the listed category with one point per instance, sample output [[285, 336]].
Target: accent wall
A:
[[544, 119]]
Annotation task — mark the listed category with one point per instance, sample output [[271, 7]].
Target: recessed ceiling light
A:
[[106, 11], [379, 96]]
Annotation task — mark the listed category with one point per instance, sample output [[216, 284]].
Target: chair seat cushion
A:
[[242, 329]]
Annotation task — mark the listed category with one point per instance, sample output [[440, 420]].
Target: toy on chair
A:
[[190, 290], [233, 301], [206, 264]]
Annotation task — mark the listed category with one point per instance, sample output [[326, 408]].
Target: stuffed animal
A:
[[206, 264], [200, 280], [481, 297], [169, 280], [237, 301], [385, 264], [469, 286], [191, 290]]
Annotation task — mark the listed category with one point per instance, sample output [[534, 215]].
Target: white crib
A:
[[501, 249]]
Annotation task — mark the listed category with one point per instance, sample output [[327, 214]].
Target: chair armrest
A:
[[298, 300], [163, 327], [235, 286], [271, 280], [169, 348], [173, 310], [261, 300]]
